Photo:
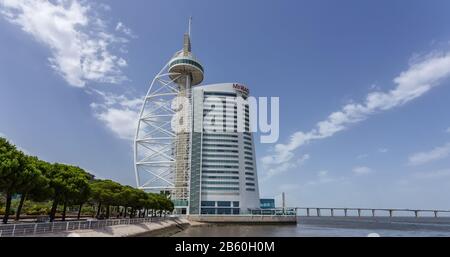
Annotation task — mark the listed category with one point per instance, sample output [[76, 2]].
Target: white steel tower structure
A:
[[195, 143], [161, 153]]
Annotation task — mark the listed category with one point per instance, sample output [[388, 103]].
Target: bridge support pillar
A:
[[435, 214], [318, 212], [345, 212], [332, 212], [373, 212], [307, 212], [359, 212], [416, 213], [390, 213]]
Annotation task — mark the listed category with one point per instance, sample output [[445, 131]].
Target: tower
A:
[[162, 146], [179, 150]]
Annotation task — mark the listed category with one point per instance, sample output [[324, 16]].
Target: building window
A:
[[208, 211], [236, 204], [220, 188], [221, 177], [223, 204], [209, 203], [220, 182], [220, 94], [223, 210]]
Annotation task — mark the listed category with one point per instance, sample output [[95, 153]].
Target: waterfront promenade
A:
[[96, 228]]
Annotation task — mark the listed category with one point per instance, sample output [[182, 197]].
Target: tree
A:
[[124, 198], [13, 173], [107, 193], [34, 183], [77, 188], [68, 183]]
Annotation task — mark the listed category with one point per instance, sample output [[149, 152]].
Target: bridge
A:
[[373, 211]]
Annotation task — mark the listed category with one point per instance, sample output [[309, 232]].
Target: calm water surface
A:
[[331, 226]]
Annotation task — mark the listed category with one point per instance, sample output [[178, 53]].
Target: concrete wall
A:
[[252, 219]]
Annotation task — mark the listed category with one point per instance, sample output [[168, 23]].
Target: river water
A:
[[331, 226]]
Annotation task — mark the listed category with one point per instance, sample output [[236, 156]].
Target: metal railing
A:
[[29, 229]]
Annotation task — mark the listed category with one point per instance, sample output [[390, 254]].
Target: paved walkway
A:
[[120, 230]]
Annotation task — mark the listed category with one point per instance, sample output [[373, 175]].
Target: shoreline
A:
[[129, 230]]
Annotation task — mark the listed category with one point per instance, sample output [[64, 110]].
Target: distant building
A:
[[267, 203]]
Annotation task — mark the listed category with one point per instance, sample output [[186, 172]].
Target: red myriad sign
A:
[[241, 88]]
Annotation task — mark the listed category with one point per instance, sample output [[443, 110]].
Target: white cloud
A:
[[383, 150], [323, 177], [448, 130], [78, 39], [362, 170], [120, 27], [433, 155], [276, 170], [119, 113], [410, 84]]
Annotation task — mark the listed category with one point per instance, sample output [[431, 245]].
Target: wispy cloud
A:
[[273, 171], [80, 44], [118, 112], [82, 48], [120, 27], [419, 78], [448, 130], [383, 150], [324, 177], [433, 174], [433, 155], [362, 170]]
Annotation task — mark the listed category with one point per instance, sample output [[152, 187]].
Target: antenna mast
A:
[[190, 23]]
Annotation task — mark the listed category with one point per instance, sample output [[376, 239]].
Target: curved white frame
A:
[[153, 158]]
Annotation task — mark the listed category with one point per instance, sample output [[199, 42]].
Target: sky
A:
[[364, 88]]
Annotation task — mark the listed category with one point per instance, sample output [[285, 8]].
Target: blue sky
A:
[[73, 73]]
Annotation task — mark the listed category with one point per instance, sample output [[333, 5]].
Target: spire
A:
[[190, 23], [187, 39]]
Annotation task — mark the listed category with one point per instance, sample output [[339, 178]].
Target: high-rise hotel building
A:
[[223, 167], [208, 168]]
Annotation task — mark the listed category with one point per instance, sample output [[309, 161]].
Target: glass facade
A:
[[186, 61], [227, 181], [267, 203]]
